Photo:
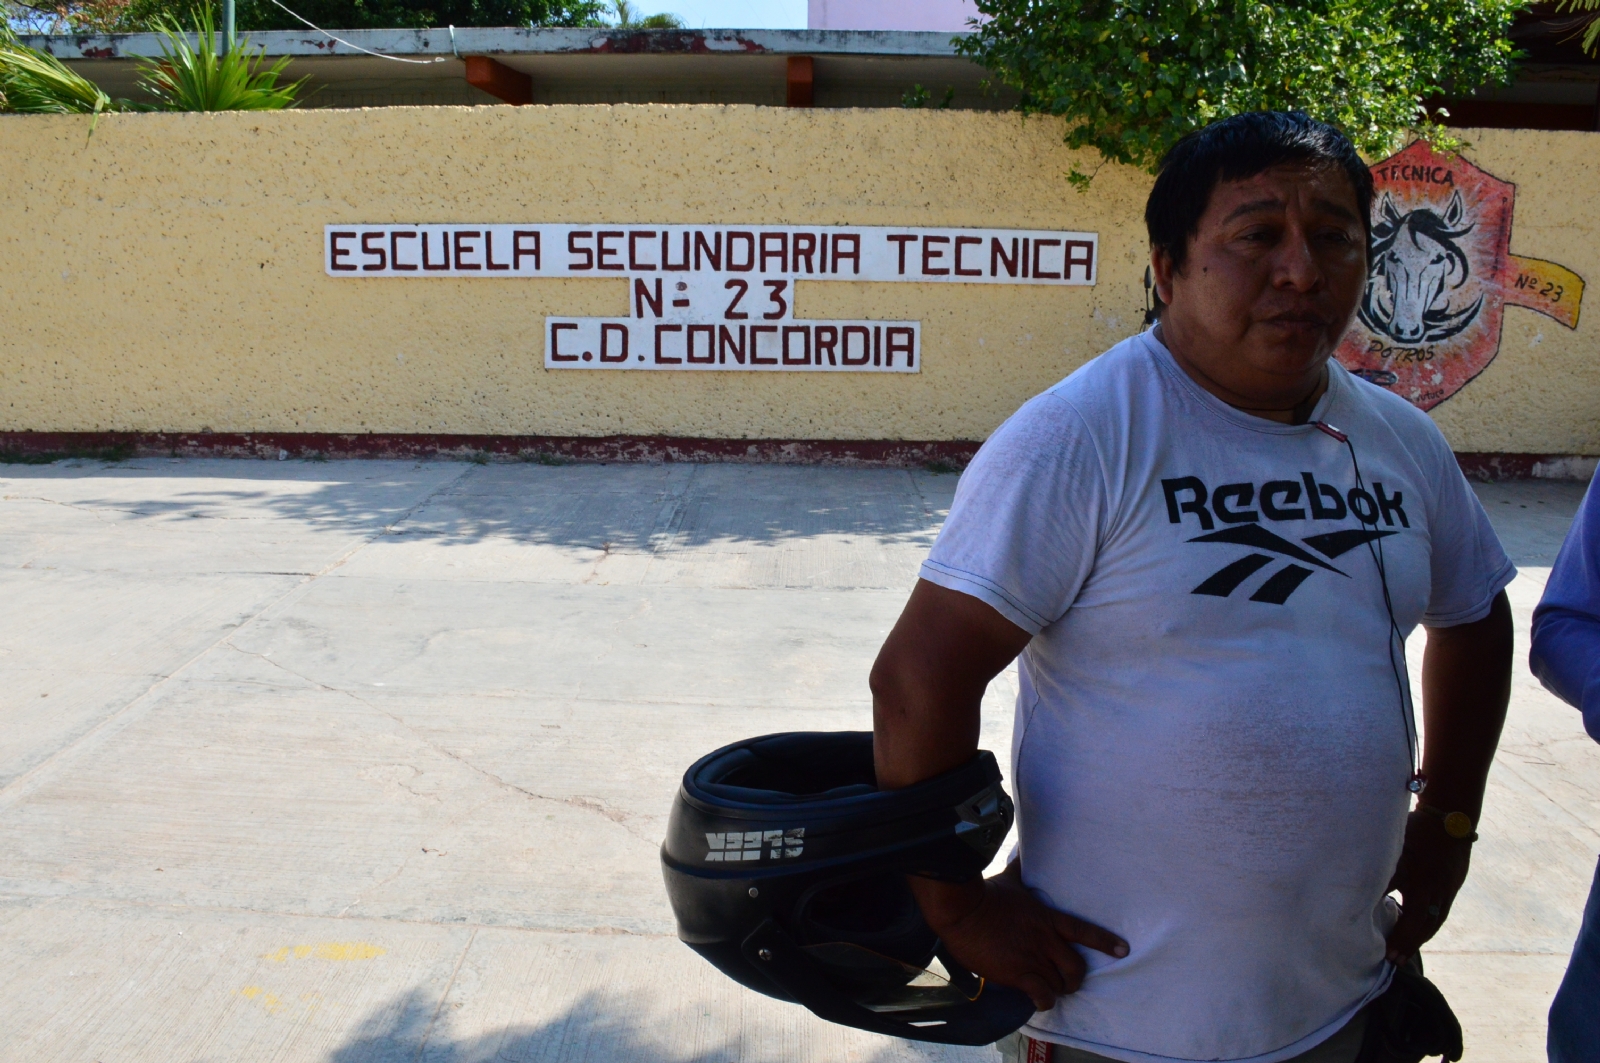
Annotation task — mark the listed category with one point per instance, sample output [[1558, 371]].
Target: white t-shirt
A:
[[1210, 755]]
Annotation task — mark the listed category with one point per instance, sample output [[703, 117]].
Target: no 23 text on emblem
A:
[[1441, 274]]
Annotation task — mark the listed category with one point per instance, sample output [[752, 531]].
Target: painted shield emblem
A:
[[1442, 273]]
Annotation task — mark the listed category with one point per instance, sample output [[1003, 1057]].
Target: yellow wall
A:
[[167, 274]]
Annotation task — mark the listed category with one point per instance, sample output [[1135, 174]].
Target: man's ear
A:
[[1161, 267]]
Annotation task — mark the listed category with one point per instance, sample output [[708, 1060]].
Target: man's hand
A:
[[1432, 868], [1000, 931]]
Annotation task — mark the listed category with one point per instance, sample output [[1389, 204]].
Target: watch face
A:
[[1458, 825]]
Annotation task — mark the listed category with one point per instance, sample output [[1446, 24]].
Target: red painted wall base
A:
[[952, 454], [271, 445]]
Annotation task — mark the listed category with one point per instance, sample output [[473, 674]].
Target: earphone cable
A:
[[1402, 684]]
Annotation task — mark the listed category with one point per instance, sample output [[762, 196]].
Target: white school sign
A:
[[719, 297]]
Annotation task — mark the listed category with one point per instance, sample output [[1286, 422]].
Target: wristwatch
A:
[[1456, 824]]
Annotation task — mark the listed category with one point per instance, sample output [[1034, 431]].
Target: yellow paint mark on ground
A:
[[348, 950], [327, 950], [270, 1001]]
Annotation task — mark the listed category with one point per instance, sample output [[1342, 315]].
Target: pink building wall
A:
[[889, 14]]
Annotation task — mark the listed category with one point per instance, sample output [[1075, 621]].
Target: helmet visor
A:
[[885, 985]]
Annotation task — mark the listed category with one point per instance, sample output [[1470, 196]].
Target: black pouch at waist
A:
[[1410, 1021]]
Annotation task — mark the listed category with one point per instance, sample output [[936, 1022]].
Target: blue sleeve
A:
[[1565, 654]]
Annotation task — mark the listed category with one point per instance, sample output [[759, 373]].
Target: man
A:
[[1566, 657], [1213, 738]]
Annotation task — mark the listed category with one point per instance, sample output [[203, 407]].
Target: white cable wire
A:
[[357, 47]]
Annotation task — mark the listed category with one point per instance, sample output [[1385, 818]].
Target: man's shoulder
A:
[[1104, 385], [1073, 426]]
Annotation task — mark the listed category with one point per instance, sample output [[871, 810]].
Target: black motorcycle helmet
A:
[[785, 866]]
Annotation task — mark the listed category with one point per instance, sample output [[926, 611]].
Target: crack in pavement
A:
[[54, 502], [596, 805], [396, 873], [450, 824], [1572, 818], [922, 500], [444, 997], [669, 522], [35, 900], [16, 788], [594, 570]]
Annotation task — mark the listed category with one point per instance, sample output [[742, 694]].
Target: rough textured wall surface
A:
[[1541, 394], [166, 274]]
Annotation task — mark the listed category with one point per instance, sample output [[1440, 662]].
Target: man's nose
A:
[[1295, 266]]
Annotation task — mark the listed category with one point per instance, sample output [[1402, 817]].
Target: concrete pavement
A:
[[370, 761]]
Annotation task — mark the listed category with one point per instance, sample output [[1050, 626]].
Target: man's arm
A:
[[1565, 654], [929, 679], [1466, 685], [927, 696]]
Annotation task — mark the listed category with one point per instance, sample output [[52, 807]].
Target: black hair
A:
[[1237, 148]]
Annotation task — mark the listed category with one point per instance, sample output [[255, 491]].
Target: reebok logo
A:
[[1279, 501], [1242, 505]]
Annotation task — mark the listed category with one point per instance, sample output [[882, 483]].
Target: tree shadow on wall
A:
[[591, 1031]]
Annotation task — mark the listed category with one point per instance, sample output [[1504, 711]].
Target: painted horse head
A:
[[1416, 265]]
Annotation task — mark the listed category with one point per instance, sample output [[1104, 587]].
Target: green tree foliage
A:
[[416, 14], [128, 16], [92, 16], [1133, 76], [628, 18], [917, 97], [131, 16]]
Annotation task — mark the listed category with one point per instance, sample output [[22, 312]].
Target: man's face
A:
[[1272, 277]]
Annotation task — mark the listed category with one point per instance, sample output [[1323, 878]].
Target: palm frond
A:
[[1591, 29], [32, 82], [195, 77]]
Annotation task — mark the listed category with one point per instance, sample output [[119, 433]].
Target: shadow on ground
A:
[[621, 507], [615, 506], [593, 1030]]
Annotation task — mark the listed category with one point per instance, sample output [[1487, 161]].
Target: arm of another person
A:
[[1466, 685], [927, 693], [1565, 654]]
